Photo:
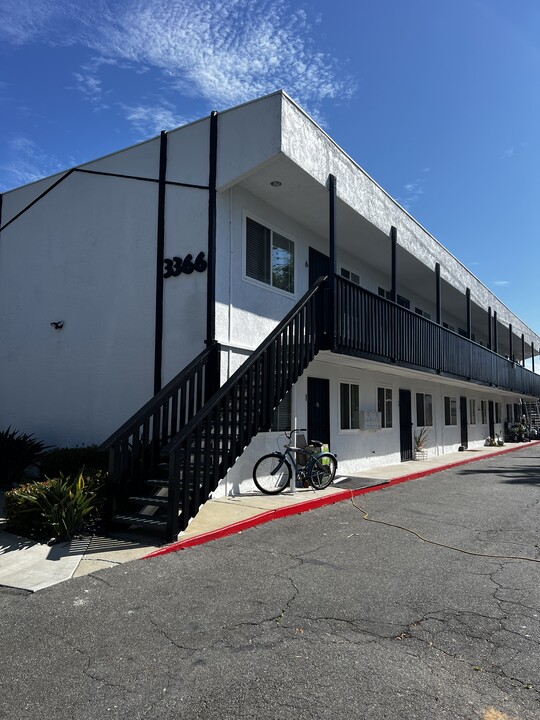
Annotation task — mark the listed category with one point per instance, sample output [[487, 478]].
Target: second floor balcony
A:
[[369, 326]]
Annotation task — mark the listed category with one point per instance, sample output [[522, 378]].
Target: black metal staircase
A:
[[171, 455]]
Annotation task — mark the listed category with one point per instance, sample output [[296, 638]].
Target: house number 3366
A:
[[172, 267]]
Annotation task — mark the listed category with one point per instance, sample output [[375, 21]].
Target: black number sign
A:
[[176, 266]]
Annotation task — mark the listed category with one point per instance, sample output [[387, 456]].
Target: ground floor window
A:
[[472, 411], [498, 412], [349, 397], [384, 406], [281, 417], [483, 409], [450, 411], [424, 410]]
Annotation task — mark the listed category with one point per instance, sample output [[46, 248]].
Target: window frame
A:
[[383, 409], [472, 411], [450, 412], [351, 272], [484, 411], [273, 230], [423, 395], [349, 384], [279, 414]]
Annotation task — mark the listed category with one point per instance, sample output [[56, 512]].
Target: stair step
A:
[[149, 500], [146, 521], [157, 482]]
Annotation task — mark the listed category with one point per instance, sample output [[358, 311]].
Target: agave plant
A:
[[420, 438], [18, 450], [63, 503]]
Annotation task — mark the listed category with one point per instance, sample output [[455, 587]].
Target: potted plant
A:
[[420, 440]]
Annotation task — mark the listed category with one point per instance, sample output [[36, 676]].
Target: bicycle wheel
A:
[[323, 470], [272, 474]]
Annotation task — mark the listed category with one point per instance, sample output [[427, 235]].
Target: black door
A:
[[319, 265], [463, 420], [405, 425], [491, 411], [318, 410]]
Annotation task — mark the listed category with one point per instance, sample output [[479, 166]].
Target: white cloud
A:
[[508, 153], [225, 53], [89, 83], [228, 52], [150, 120], [27, 163], [413, 191], [502, 282]]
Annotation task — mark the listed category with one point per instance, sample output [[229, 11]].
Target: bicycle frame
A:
[[299, 471]]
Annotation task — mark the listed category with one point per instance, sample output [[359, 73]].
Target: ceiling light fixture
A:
[[276, 183]]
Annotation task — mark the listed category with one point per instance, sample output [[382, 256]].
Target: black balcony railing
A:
[[370, 326]]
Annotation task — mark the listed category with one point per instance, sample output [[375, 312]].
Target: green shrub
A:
[[71, 460], [56, 508], [18, 450], [23, 518]]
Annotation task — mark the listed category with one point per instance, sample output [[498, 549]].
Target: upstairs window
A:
[[403, 301], [350, 275], [269, 256]]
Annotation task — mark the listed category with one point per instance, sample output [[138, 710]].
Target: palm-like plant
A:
[[18, 450]]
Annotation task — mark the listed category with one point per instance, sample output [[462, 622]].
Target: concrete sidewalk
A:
[[31, 566]]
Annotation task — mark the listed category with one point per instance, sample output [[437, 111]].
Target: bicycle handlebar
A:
[[290, 433]]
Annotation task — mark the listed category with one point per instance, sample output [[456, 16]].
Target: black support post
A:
[[490, 329], [160, 252], [495, 332], [468, 302], [532, 356], [510, 343], [332, 188], [393, 239], [438, 313], [523, 349], [212, 197]]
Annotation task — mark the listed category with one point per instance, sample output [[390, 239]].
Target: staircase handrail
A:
[[208, 407], [149, 408]]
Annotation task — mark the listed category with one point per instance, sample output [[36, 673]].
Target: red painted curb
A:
[[312, 504]]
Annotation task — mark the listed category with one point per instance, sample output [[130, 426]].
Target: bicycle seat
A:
[[316, 443]]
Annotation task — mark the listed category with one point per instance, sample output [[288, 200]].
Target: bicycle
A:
[[273, 472]]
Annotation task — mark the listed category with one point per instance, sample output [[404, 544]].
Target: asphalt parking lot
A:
[[320, 615]]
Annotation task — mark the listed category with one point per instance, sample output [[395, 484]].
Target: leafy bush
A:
[[23, 518], [70, 461], [56, 508], [18, 450]]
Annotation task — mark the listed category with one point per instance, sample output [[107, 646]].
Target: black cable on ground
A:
[[439, 544]]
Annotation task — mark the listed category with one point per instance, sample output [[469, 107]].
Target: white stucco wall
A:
[[84, 255], [360, 450], [249, 310]]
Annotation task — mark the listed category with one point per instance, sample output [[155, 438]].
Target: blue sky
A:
[[438, 101]]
